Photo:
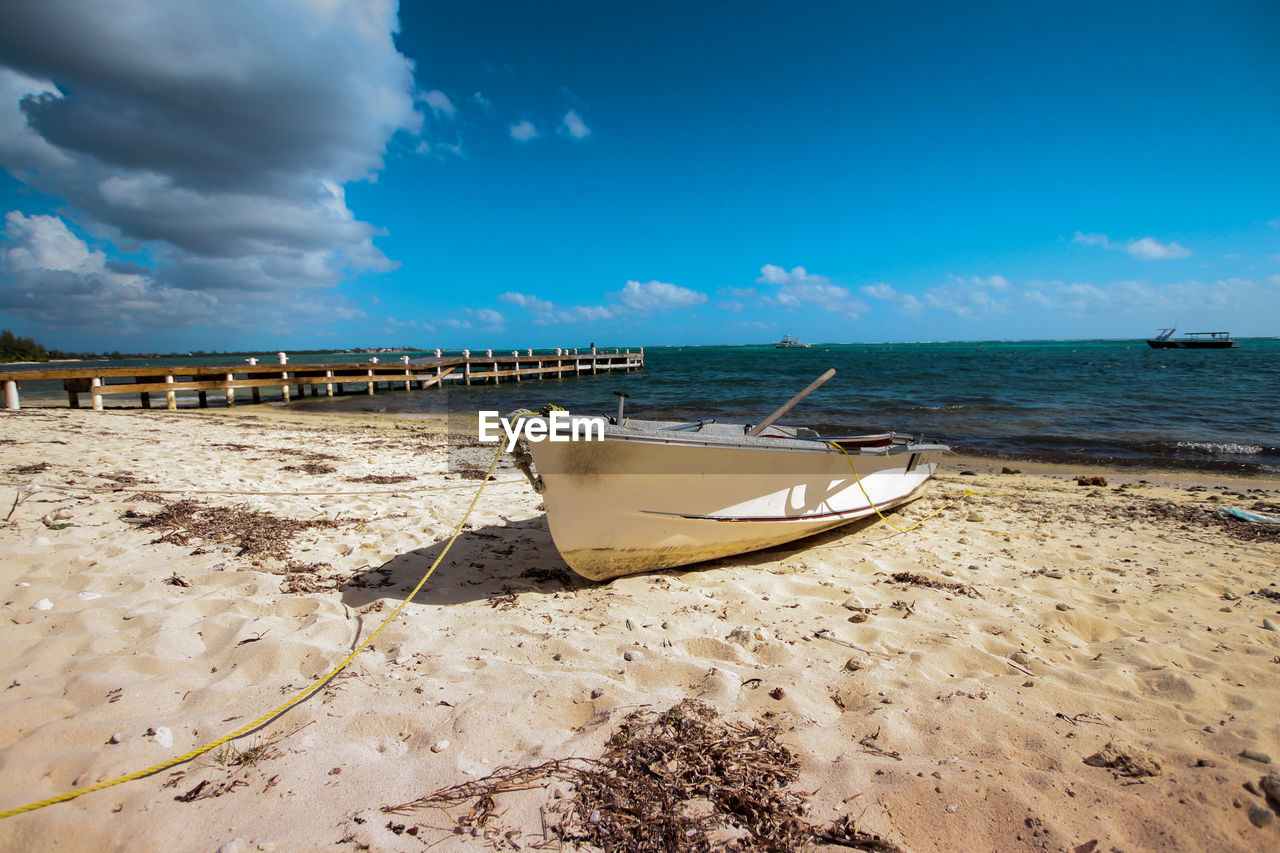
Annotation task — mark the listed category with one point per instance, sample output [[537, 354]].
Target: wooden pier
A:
[[334, 378]]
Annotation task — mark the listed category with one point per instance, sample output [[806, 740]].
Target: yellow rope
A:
[[270, 715], [854, 469]]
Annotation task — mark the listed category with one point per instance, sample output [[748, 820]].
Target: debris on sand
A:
[[254, 533], [914, 579], [680, 780], [1126, 759]]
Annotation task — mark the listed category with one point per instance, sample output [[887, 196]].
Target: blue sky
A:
[[187, 175]]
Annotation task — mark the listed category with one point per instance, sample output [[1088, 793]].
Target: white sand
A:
[[1140, 629]]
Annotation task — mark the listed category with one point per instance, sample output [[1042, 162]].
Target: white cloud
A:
[[659, 296], [773, 274], [908, 302], [485, 105], [440, 104], [1150, 249], [958, 296], [1091, 240], [216, 138], [991, 282], [799, 286], [528, 301], [573, 125], [51, 276], [546, 312], [634, 298], [21, 148], [487, 317], [523, 131], [1145, 248]]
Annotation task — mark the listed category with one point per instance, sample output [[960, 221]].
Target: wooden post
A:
[[371, 382], [73, 392], [496, 377], [328, 386], [257, 394], [95, 394], [231, 392], [11, 395], [146, 399], [204, 399], [170, 397]]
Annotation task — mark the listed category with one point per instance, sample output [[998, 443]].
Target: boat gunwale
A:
[[803, 444]]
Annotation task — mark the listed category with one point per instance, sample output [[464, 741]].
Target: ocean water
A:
[[1112, 401]]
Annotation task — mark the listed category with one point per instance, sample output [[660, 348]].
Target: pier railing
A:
[[329, 379]]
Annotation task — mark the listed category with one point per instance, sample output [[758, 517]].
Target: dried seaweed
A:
[[680, 780], [26, 470], [913, 579], [310, 468], [125, 479], [382, 479], [253, 533], [1162, 511], [306, 577]]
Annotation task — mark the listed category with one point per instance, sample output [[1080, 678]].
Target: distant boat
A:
[[1191, 340], [789, 342]]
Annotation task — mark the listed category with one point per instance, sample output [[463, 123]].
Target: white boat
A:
[[789, 342], [650, 495]]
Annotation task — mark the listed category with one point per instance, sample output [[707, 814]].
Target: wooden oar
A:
[[790, 404]]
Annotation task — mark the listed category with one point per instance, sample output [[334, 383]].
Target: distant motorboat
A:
[[789, 342], [1191, 340]]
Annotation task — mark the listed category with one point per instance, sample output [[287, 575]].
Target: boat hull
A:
[[1210, 344], [622, 506]]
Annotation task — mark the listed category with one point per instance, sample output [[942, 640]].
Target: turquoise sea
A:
[[1114, 401]]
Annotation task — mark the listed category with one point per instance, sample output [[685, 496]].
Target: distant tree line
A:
[[14, 348]]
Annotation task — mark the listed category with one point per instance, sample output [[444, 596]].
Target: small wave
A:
[[1215, 447]]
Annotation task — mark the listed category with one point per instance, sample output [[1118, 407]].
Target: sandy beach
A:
[[1040, 665]]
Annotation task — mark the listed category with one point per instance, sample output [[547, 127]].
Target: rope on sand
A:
[[271, 715]]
